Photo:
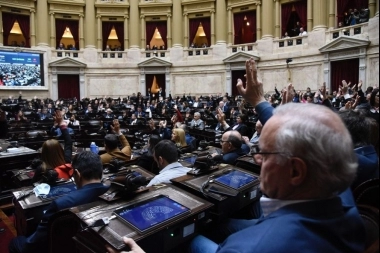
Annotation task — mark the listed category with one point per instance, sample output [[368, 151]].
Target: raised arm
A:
[[68, 143], [254, 92]]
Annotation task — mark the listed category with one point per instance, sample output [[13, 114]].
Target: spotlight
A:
[[289, 60]]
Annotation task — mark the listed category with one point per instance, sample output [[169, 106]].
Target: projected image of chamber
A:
[[21, 69], [149, 214]]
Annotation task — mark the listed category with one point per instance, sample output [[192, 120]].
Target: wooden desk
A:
[[161, 239]]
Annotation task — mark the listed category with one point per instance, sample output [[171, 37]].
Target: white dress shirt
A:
[[171, 171]]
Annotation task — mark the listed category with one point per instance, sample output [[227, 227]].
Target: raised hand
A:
[[253, 92], [115, 126], [288, 94]]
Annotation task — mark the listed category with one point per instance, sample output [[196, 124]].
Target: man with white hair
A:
[[197, 122]]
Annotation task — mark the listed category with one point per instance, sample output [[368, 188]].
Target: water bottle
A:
[[94, 148]]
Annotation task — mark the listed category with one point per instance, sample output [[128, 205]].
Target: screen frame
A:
[[43, 69], [152, 227], [215, 180]]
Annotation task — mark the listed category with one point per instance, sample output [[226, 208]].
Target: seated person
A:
[[179, 138], [53, 157], [111, 143], [231, 142], [146, 161], [255, 137], [166, 156], [44, 114], [108, 114], [197, 122], [88, 171]]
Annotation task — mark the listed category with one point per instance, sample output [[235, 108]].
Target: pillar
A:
[[126, 35], [212, 28], [319, 14], [134, 22], [42, 24], [309, 15], [268, 24], [372, 7], [32, 28], [90, 21], [277, 32], [169, 33], [1, 25], [99, 37], [186, 30], [377, 9], [221, 22], [177, 24], [332, 14], [81, 29], [229, 26], [258, 21], [53, 42], [143, 33]]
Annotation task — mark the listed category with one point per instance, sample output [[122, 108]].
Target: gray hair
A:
[[197, 114], [318, 136]]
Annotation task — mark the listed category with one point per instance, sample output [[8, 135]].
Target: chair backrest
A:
[[62, 227], [370, 217], [367, 193]]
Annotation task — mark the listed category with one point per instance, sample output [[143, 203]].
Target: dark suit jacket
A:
[[37, 242]]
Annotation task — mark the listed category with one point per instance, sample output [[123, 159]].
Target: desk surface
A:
[[115, 230], [18, 152]]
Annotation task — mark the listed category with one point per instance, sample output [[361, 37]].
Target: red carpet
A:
[[7, 235]]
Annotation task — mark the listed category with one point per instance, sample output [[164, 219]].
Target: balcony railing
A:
[[348, 31], [155, 1], [198, 51], [112, 54], [67, 53], [156, 53], [292, 41], [243, 47]]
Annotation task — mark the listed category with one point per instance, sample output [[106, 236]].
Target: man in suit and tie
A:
[[88, 171]]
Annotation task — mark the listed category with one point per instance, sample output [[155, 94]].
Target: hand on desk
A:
[[129, 242]]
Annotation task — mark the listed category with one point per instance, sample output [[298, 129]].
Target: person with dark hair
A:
[[146, 161], [111, 145], [166, 156], [88, 171], [3, 125], [359, 127], [374, 102]]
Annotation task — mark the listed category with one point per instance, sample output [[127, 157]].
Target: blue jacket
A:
[[313, 226], [368, 165], [37, 242]]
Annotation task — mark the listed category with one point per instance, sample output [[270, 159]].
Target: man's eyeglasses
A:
[[255, 150]]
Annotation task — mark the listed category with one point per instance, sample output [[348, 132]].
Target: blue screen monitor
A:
[[235, 179]]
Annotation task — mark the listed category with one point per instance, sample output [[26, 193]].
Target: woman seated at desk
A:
[[146, 161], [53, 157], [179, 138]]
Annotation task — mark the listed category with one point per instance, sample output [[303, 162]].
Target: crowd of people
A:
[[313, 147]]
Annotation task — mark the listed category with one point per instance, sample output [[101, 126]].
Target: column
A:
[[169, 33], [277, 32], [309, 15], [126, 35], [229, 26], [53, 42], [221, 22], [1, 25], [90, 21], [377, 8], [268, 24], [186, 30], [258, 21], [143, 33], [135, 19], [319, 14], [99, 36], [42, 24], [81, 29], [372, 8], [212, 28], [177, 24], [331, 14], [32, 28]]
